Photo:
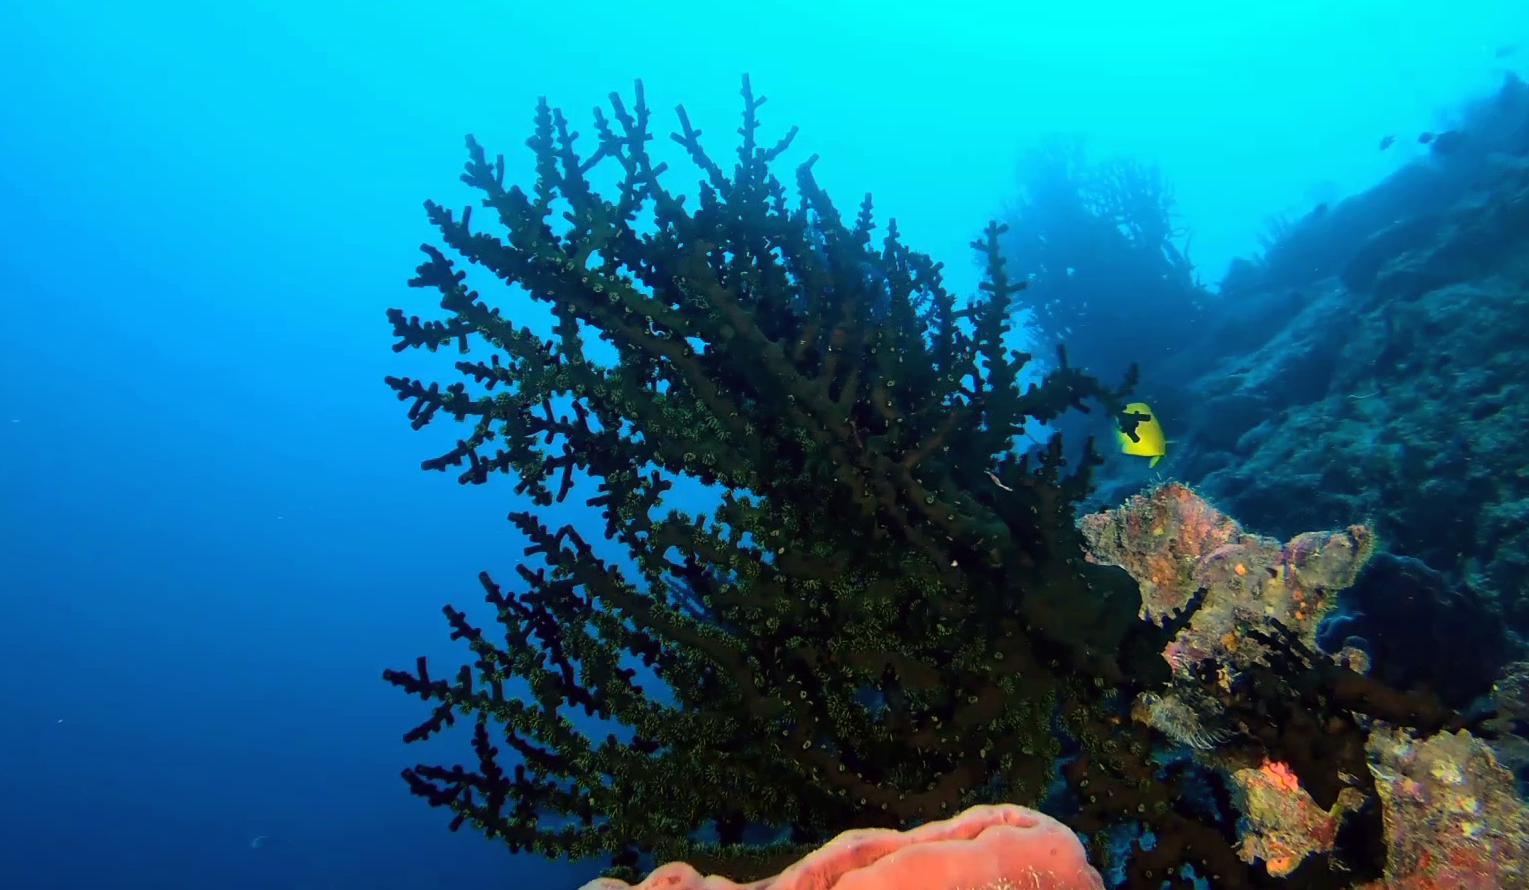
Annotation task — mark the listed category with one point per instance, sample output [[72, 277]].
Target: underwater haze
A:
[[214, 532]]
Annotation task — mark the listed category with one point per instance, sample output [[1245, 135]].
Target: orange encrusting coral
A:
[[1279, 776]]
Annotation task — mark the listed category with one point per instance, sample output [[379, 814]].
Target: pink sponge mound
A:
[[1003, 847]]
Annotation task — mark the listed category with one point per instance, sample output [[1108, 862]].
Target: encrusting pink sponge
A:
[[1000, 847]]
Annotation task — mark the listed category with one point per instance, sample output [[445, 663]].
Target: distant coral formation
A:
[[1105, 256]]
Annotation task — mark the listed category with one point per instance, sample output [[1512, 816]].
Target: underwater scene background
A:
[[792, 550]]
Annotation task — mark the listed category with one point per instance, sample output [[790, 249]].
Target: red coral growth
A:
[[1279, 776]]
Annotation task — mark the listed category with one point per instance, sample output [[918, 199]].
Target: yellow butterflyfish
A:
[[1149, 435]]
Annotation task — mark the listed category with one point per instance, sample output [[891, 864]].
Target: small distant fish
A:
[[1324, 192], [1504, 51], [1448, 142], [1386, 142], [1149, 436], [1425, 138]]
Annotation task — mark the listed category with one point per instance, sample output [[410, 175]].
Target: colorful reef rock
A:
[[1178, 547], [1282, 825], [1453, 817]]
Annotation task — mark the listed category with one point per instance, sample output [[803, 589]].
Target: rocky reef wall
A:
[[1373, 363]]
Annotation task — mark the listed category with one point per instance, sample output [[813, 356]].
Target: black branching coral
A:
[[886, 617]]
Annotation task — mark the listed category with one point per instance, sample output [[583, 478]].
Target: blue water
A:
[[213, 531]]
